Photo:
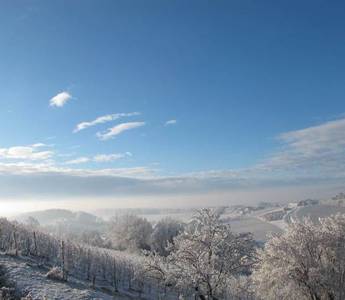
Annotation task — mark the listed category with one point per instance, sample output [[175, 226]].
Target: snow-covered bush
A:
[[55, 273], [7, 288], [8, 293]]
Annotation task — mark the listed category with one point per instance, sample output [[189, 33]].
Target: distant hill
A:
[[73, 221]]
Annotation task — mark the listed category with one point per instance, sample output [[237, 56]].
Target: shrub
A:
[[55, 273]]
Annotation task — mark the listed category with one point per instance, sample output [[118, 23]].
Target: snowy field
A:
[[317, 211], [259, 228]]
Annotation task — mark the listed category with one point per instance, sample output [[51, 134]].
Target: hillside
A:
[[30, 281]]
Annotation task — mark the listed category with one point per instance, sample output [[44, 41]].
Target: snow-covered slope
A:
[[31, 281]]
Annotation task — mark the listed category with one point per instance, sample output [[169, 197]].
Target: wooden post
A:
[[114, 276], [15, 241], [63, 262], [35, 244]]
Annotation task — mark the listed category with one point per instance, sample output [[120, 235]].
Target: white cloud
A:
[[329, 135], [108, 157], [318, 148], [79, 160], [170, 122], [103, 119], [99, 158], [60, 99], [26, 152], [50, 168], [116, 130], [38, 145]]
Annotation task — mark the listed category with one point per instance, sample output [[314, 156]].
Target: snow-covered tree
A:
[[240, 288], [305, 262], [131, 232], [203, 259], [93, 238], [163, 234], [32, 222], [156, 267]]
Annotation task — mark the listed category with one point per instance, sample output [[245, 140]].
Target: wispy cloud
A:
[[60, 99], [79, 160], [320, 148], [99, 158], [30, 152], [170, 122], [103, 119], [48, 168], [110, 157], [118, 129], [38, 145], [313, 155]]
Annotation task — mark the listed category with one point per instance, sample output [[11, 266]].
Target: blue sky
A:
[[251, 87]]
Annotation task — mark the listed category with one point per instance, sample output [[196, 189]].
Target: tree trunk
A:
[[63, 261], [93, 281]]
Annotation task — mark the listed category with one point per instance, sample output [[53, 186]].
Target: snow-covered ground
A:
[[31, 281]]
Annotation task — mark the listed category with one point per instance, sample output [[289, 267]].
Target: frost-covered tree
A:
[[163, 234], [305, 262], [204, 258], [240, 288], [93, 238], [131, 232], [156, 267], [32, 222]]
